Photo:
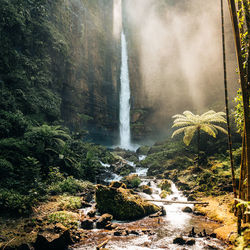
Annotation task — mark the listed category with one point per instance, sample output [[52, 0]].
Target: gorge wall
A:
[[176, 61], [60, 63]]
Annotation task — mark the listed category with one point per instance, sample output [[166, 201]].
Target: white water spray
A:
[[125, 137]]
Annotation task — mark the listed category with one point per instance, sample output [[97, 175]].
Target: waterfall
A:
[[125, 140]]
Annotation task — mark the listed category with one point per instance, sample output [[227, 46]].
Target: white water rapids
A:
[[174, 224]]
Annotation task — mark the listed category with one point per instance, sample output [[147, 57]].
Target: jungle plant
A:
[[191, 123]]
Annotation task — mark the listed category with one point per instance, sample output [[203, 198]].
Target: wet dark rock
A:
[[187, 210], [41, 243], [163, 211], [183, 186], [117, 184], [104, 220], [213, 235], [87, 224], [198, 213], [92, 212], [24, 247], [146, 189], [118, 233], [190, 242], [179, 241], [62, 242], [110, 226], [212, 247], [86, 204], [134, 232]]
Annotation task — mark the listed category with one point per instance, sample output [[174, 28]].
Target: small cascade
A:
[[125, 137]]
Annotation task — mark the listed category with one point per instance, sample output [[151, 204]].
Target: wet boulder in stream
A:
[[122, 203]]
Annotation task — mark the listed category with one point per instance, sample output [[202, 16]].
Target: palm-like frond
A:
[[209, 129], [189, 134], [221, 129], [190, 123], [178, 131]]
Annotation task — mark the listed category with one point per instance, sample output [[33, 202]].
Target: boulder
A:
[[85, 204], [117, 184], [187, 210], [143, 150], [146, 189], [190, 242], [104, 220], [24, 247], [41, 243], [92, 212], [122, 204], [62, 242], [165, 185], [87, 224], [132, 181], [179, 241]]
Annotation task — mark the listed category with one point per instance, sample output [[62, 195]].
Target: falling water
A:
[[125, 141]]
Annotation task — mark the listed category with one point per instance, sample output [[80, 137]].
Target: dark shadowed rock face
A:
[[122, 204], [90, 96]]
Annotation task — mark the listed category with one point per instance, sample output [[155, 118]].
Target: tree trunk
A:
[[244, 81], [198, 148], [226, 101]]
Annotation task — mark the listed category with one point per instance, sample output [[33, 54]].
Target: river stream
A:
[[162, 230]]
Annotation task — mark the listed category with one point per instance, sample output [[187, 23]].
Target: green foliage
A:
[[238, 112], [12, 124], [132, 181], [68, 219], [191, 123], [70, 203], [13, 201], [69, 185]]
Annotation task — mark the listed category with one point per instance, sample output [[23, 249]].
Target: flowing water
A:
[[125, 137], [175, 223]]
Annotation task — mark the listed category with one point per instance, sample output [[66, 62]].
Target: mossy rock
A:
[[165, 185], [146, 189], [117, 184], [164, 194], [143, 150], [132, 181], [122, 204]]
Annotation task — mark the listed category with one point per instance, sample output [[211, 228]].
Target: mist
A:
[[180, 55]]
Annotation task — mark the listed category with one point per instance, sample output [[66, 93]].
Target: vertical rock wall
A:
[[90, 92]]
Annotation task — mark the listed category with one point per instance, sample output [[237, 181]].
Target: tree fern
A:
[[188, 123]]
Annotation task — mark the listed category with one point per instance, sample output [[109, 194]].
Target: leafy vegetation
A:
[[191, 123]]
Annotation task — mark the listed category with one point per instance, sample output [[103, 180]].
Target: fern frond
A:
[[189, 134], [188, 113], [178, 131], [209, 129], [221, 129], [181, 124]]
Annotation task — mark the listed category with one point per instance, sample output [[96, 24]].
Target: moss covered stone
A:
[[122, 204], [146, 189], [132, 181]]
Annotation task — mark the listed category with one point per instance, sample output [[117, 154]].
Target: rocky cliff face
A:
[[90, 92], [60, 62], [175, 61]]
